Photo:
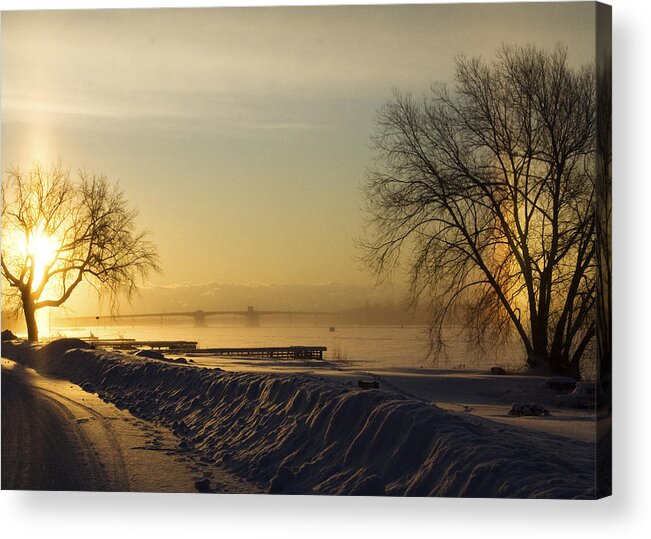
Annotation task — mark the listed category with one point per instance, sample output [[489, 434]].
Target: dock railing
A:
[[270, 352]]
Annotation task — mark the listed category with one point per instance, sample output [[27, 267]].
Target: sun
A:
[[31, 254], [41, 250]]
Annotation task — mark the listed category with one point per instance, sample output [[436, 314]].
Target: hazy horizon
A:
[[214, 295], [242, 135]]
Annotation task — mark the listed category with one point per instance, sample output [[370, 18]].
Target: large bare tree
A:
[[489, 187], [58, 232]]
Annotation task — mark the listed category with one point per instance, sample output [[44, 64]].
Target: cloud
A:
[[246, 69], [270, 296]]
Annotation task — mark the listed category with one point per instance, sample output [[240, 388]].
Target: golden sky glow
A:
[[42, 251], [242, 135]]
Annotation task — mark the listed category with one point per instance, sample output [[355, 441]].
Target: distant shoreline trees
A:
[[490, 189], [58, 232]]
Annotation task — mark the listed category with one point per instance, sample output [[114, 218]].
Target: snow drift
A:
[[302, 434]]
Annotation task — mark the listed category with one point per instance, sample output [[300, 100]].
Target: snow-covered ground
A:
[[308, 428], [472, 392], [56, 436]]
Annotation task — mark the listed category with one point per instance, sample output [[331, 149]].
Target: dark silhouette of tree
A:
[[489, 187], [58, 231], [603, 180]]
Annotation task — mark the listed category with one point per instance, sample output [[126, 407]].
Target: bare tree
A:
[[489, 188], [58, 232], [603, 181]]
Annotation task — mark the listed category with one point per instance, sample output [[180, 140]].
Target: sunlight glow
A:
[[41, 251]]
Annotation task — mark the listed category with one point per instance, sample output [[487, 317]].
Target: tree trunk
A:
[[30, 319], [538, 356]]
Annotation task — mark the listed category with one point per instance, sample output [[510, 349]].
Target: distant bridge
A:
[[251, 316]]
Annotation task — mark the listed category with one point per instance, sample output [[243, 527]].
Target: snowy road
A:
[[55, 436], [45, 447]]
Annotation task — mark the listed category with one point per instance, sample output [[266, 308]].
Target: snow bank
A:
[[302, 434]]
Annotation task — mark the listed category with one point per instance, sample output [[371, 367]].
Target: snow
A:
[[305, 433]]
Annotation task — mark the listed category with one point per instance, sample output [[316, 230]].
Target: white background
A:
[[626, 514]]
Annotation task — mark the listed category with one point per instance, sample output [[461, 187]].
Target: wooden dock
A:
[[271, 352], [132, 344]]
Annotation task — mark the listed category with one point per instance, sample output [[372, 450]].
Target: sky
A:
[[242, 135]]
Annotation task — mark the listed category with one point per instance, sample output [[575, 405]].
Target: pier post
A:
[[199, 319], [252, 318]]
